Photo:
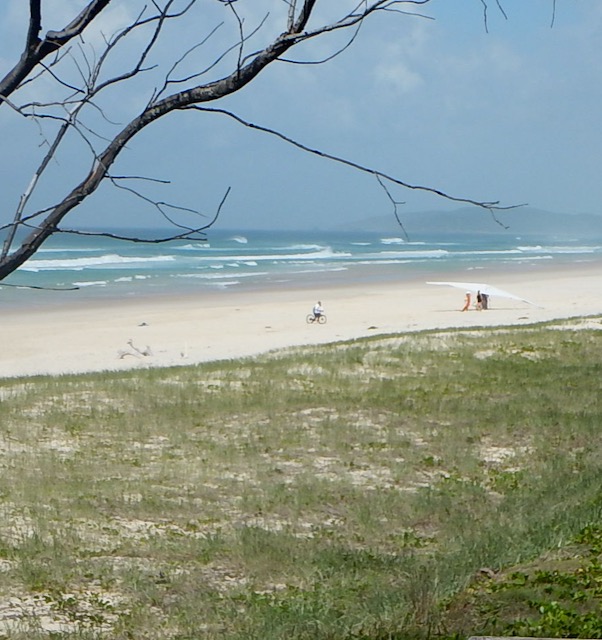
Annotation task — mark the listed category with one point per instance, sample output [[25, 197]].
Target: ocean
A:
[[87, 268]]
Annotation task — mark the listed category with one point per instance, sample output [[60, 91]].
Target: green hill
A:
[[524, 220]]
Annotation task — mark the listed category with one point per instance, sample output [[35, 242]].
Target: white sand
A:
[[180, 331]]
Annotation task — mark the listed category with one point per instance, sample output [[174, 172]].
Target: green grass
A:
[[411, 486]]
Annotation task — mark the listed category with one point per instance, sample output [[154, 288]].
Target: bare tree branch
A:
[[87, 74], [188, 234], [199, 94], [36, 50], [395, 204], [485, 14], [380, 175], [35, 23]]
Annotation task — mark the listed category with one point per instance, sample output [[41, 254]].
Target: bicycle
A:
[[312, 317]]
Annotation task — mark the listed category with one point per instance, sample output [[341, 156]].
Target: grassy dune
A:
[[406, 486]]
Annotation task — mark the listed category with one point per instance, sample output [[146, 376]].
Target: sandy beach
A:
[[168, 331]]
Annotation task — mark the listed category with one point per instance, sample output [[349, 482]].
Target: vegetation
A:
[[438, 484]]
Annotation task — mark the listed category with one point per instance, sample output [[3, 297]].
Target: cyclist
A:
[[317, 310]]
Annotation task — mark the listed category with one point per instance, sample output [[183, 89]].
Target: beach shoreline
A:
[[70, 335]]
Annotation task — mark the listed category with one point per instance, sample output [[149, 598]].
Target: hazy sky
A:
[[510, 113]]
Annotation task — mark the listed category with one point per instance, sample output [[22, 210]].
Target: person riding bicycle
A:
[[317, 310]]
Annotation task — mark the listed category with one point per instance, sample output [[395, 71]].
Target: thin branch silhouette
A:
[[87, 74], [484, 204]]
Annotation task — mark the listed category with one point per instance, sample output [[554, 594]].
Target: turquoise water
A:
[[236, 261]]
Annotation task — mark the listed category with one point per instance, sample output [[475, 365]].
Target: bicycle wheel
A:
[[310, 318], [322, 319]]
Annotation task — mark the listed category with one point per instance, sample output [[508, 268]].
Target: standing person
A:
[[479, 301], [466, 302], [317, 310]]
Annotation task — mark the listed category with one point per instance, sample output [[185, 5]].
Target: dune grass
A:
[[356, 490]]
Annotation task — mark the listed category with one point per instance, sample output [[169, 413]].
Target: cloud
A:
[[511, 112], [397, 76]]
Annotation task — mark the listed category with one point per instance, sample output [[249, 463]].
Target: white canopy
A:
[[487, 289]]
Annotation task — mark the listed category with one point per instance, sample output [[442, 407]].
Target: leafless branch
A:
[[485, 10], [381, 175], [195, 76], [395, 204], [46, 69], [161, 206], [142, 178], [291, 14], [332, 55], [241, 33], [160, 19], [168, 76], [188, 233], [37, 287], [88, 78], [501, 8], [30, 189], [36, 50], [81, 73], [498, 221]]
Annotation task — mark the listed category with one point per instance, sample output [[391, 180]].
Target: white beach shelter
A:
[[487, 289]]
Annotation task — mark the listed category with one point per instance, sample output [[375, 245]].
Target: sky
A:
[[504, 109]]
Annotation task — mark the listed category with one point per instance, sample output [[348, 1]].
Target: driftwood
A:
[[134, 351]]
